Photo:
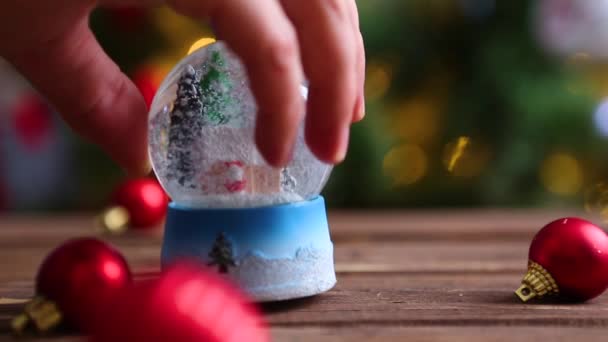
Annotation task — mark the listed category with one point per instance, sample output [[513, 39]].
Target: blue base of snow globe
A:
[[273, 253]]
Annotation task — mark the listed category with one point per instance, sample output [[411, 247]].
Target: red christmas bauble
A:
[[145, 201], [186, 304], [146, 80], [573, 257], [81, 276], [32, 120]]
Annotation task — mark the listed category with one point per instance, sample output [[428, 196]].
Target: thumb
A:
[[94, 97]]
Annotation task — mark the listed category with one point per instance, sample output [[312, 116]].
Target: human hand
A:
[[279, 41]]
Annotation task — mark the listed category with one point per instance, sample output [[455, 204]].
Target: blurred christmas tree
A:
[[480, 113], [469, 102]]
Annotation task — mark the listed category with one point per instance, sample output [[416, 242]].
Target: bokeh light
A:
[[578, 60], [201, 43], [178, 31], [456, 152], [465, 158], [417, 120], [600, 118], [114, 220], [160, 66], [596, 201], [173, 25], [378, 77], [597, 79], [405, 164], [561, 174], [578, 64]]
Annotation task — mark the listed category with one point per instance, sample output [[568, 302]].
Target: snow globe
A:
[[264, 228]]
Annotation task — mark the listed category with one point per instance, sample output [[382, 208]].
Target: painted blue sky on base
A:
[[275, 232]]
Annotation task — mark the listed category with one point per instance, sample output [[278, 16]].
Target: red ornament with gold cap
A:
[[567, 258], [75, 281], [136, 203]]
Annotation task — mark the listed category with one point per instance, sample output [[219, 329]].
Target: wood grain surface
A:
[[402, 276]]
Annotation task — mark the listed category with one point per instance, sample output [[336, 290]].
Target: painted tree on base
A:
[[222, 254]]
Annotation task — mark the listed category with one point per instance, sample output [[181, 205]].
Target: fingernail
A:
[[342, 148]]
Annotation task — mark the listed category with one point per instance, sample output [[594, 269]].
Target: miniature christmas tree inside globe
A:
[[202, 145]]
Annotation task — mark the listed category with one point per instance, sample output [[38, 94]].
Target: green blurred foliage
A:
[[502, 91], [484, 77]]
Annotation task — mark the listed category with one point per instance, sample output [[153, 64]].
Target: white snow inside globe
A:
[[201, 140]]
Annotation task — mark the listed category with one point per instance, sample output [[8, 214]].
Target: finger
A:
[[91, 93], [130, 3], [359, 113], [260, 33], [328, 55]]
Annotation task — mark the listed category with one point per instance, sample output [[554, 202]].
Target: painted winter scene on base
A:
[[309, 272], [273, 253]]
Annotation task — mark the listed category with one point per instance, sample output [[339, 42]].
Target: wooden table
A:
[[402, 276]]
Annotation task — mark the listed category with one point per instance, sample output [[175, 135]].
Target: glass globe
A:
[[201, 139]]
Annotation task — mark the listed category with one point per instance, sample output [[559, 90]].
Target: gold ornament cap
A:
[[40, 314], [114, 220], [536, 283]]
